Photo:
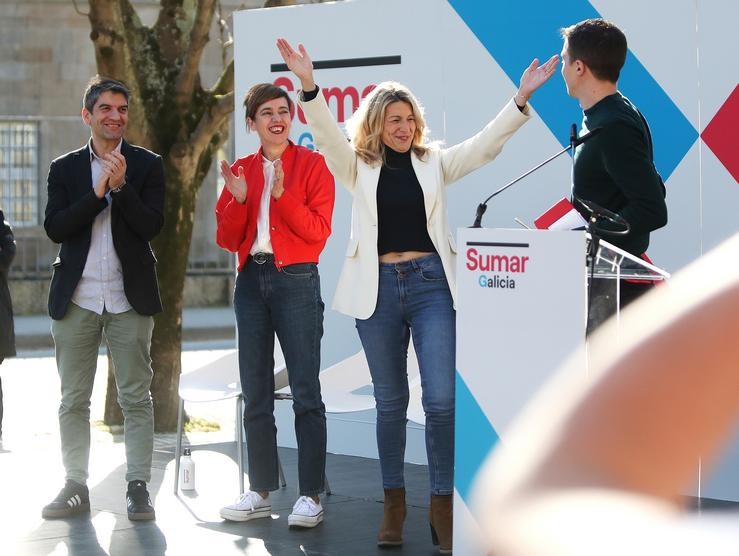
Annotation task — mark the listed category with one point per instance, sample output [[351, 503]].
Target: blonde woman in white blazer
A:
[[398, 276]]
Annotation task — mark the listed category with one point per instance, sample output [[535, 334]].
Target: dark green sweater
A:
[[615, 169]]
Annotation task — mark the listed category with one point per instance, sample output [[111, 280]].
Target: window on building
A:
[[19, 171]]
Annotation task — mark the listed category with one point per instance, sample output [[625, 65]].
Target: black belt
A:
[[261, 258]]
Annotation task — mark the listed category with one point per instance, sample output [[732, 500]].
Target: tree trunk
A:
[[173, 115], [171, 246]]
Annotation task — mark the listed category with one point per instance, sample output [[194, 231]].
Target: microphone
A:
[[481, 208]]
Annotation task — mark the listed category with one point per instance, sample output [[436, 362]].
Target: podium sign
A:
[[521, 311]]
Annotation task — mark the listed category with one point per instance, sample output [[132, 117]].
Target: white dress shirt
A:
[[263, 243], [101, 285]]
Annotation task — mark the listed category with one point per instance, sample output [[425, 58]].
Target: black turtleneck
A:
[[615, 169], [401, 211]]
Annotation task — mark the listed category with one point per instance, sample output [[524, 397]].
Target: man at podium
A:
[[615, 169]]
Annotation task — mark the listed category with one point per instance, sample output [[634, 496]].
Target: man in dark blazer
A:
[[105, 204]]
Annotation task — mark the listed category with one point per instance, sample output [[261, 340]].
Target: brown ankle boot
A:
[[391, 531], [440, 519]]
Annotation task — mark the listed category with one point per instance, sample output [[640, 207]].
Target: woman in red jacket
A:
[[275, 212]]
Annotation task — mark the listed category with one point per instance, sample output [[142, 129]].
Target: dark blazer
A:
[[7, 253], [136, 218]]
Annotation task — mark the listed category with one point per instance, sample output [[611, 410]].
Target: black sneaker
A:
[[73, 499], [138, 502]]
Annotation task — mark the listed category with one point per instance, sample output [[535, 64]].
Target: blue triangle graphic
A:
[[474, 437], [513, 34]]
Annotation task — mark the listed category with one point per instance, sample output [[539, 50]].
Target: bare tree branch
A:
[[225, 81], [211, 122], [191, 63], [168, 11], [226, 38], [167, 31], [105, 19], [76, 9]]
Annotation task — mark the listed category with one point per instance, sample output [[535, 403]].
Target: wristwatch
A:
[[117, 189]]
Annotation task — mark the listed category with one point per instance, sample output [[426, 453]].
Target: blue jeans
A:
[[413, 298], [287, 302]]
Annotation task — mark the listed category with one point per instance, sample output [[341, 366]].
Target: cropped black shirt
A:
[[401, 211]]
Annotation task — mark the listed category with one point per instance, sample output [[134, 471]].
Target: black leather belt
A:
[[261, 258]]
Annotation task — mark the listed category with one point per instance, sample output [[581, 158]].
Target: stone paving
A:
[[31, 474]]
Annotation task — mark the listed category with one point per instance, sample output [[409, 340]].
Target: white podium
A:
[[520, 312]]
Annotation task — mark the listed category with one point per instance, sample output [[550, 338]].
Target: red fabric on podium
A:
[[560, 216]]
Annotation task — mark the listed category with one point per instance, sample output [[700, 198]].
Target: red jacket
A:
[[300, 220]]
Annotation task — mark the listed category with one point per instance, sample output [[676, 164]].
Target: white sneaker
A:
[[250, 506], [306, 513]]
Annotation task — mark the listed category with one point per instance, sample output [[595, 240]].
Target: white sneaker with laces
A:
[[306, 513], [250, 506]]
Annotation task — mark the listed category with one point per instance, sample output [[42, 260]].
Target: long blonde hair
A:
[[365, 125]]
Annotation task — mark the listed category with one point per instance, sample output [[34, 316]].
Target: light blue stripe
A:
[[513, 33], [474, 437]]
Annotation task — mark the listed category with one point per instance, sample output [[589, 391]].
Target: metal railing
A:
[[34, 255]]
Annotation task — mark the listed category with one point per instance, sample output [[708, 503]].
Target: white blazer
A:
[[356, 291]]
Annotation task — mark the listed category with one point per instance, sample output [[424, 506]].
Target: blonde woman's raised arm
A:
[[331, 141]]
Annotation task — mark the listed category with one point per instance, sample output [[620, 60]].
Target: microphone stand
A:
[[482, 207], [574, 142], [592, 252]]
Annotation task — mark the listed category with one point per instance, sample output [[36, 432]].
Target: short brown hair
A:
[[99, 85], [599, 44], [261, 93]]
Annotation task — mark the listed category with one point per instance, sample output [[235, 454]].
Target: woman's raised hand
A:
[[298, 62], [535, 76]]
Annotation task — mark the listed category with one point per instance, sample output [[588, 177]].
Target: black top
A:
[[401, 211], [615, 169]]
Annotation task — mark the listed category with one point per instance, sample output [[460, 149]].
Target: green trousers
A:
[[77, 339]]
